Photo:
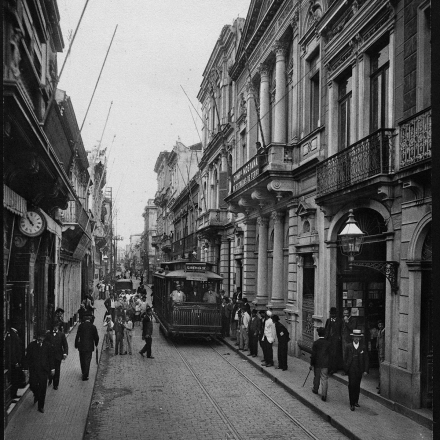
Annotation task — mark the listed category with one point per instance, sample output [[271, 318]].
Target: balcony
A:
[[212, 217], [415, 139], [75, 214], [367, 158]]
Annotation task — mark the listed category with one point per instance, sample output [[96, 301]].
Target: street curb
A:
[[327, 417]]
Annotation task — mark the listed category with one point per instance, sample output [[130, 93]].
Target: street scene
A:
[[217, 220]]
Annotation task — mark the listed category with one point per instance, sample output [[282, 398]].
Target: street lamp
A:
[[351, 238]]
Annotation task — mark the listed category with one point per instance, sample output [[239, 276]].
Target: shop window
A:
[[379, 71]]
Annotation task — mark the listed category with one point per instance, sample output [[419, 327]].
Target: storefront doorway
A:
[[426, 353], [362, 290]]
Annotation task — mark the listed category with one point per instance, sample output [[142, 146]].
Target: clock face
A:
[[33, 224]]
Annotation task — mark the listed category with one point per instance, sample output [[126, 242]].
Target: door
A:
[[426, 354]]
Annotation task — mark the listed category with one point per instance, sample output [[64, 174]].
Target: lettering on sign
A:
[[196, 277], [246, 174], [195, 267]]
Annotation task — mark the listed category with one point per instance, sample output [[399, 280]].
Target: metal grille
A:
[[367, 158], [196, 316], [415, 139]]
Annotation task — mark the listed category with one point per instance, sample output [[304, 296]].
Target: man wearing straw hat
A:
[[355, 365]]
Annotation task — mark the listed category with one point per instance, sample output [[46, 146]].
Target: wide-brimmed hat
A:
[[357, 333]]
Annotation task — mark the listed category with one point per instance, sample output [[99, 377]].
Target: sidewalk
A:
[[66, 409], [373, 420]]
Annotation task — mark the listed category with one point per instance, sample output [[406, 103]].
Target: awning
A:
[[52, 225], [13, 202]]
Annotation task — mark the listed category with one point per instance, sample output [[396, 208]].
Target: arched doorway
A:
[[360, 289], [426, 354]]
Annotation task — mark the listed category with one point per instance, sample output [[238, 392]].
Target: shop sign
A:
[[246, 174], [195, 267], [197, 277]]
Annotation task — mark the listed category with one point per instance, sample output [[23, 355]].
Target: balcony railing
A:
[[369, 157], [212, 217], [415, 138], [75, 213]]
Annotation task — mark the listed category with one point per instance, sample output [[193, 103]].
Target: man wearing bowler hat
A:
[[355, 365], [86, 340]]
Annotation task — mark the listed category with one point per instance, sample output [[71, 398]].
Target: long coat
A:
[[59, 344], [40, 359], [320, 353], [86, 337]]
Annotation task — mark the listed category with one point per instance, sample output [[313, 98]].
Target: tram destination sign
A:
[[195, 267], [246, 173]]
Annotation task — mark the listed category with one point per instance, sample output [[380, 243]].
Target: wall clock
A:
[[33, 224]]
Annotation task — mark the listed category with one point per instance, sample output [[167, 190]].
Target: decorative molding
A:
[[277, 216]]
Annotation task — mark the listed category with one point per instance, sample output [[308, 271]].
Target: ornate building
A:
[[338, 118], [148, 251], [217, 95]]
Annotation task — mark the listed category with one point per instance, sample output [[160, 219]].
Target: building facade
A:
[[46, 222], [148, 251], [339, 119]]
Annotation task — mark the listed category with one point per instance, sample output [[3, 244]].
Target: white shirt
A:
[[246, 319], [178, 296], [356, 346]]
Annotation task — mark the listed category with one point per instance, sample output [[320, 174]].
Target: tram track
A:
[[234, 433]]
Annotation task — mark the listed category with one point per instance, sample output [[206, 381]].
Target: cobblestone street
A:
[[160, 398]]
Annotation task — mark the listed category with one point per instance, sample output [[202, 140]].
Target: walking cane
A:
[[307, 377], [97, 362]]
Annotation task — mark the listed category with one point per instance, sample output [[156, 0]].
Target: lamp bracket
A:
[[387, 268]]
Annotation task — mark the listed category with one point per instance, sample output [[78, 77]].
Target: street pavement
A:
[[373, 420], [132, 398]]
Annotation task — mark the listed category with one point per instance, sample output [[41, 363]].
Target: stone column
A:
[[332, 138], [262, 260], [279, 135], [265, 102], [251, 149], [392, 49], [361, 91], [277, 277]]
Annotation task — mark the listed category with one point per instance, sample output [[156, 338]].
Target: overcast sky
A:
[[159, 46]]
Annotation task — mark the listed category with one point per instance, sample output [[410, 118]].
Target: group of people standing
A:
[[252, 329]]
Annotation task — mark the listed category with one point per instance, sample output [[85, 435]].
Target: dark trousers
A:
[[119, 345], [112, 312], [253, 344], [267, 351], [282, 355], [56, 377], [16, 379], [84, 358], [147, 346], [38, 385], [354, 386], [225, 326], [335, 360]]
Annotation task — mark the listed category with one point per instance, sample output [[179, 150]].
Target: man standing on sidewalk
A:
[[283, 341], [119, 335], [86, 340], [60, 350], [333, 334], [40, 362], [244, 332], [147, 332], [254, 331], [268, 339], [356, 364], [320, 361]]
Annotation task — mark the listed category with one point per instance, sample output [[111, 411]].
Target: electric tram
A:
[[198, 312]]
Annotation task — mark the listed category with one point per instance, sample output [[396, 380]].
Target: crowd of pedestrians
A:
[[339, 345]]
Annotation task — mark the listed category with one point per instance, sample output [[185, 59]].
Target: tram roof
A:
[[180, 273]]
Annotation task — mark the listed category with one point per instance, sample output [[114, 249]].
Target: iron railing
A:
[[369, 157], [212, 217], [75, 213], [415, 138]]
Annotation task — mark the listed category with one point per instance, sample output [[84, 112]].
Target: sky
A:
[[159, 48]]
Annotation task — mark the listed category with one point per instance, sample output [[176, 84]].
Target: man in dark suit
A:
[[147, 332], [349, 323], [283, 341], [40, 362], [320, 362], [86, 340], [60, 352], [356, 364], [13, 356], [333, 334]]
